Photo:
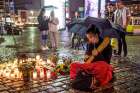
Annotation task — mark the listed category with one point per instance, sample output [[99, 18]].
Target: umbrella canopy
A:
[[76, 28], [104, 26], [50, 7]]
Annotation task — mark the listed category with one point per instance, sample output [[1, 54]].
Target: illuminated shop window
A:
[[91, 8]]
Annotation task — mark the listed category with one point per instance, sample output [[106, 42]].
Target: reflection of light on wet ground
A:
[[7, 54], [9, 40]]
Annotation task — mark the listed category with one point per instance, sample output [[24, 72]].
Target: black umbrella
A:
[[75, 28], [50, 7], [104, 26]]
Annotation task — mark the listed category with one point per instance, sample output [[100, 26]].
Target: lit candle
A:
[[7, 74], [1, 72], [38, 57], [29, 59], [34, 75], [38, 72], [20, 61], [45, 72], [41, 74], [48, 74], [20, 75], [12, 76], [48, 61], [16, 73]]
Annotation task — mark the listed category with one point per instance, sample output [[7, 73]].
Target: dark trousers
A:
[[122, 44]]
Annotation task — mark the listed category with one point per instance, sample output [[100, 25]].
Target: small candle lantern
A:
[[48, 74], [25, 67], [22, 58], [34, 74]]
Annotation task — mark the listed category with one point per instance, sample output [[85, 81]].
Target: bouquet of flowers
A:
[[63, 68]]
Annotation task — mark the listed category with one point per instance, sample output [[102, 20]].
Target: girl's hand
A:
[[95, 52], [86, 58], [89, 60]]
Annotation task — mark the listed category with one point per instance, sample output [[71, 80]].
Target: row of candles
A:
[[35, 74], [40, 71]]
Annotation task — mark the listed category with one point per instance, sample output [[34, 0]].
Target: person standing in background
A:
[[43, 27], [53, 30], [110, 12], [122, 18]]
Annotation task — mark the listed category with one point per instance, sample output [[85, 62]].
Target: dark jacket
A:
[[43, 24], [105, 55]]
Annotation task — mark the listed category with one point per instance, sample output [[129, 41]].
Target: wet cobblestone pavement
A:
[[127, 72]]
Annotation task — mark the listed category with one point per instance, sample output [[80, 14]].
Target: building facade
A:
[[28, 10]]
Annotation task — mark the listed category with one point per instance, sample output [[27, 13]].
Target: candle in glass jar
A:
[[49, 61], [34, 75], [15, 62], [20, 75], [12, 76], [29, 59], [16, 73], [1, 72], [38, 57], [7, 74], [41, 74], [45, 72], [38, 72], [48, 74]]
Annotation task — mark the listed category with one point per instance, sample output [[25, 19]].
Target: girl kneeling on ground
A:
[[96, 71]]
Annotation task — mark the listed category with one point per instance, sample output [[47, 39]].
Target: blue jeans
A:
[[44, 38]]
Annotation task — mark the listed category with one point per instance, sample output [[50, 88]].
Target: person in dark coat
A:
[[43, 27]]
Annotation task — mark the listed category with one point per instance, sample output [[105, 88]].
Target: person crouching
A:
[[96, 71]]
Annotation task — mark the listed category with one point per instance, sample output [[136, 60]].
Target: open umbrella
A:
[[75, 28], [50, 7], [104, 26]]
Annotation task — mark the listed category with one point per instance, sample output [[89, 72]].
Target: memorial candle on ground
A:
[[41, 73], [34, 75], [48, 74]]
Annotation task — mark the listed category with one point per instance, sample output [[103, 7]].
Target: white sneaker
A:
[[43, 48], [47, 48]]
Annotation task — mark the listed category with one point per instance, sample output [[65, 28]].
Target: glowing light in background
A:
[[59, 12], [91, 8]]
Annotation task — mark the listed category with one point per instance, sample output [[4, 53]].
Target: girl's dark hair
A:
[[42, 12], [93, 30]]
